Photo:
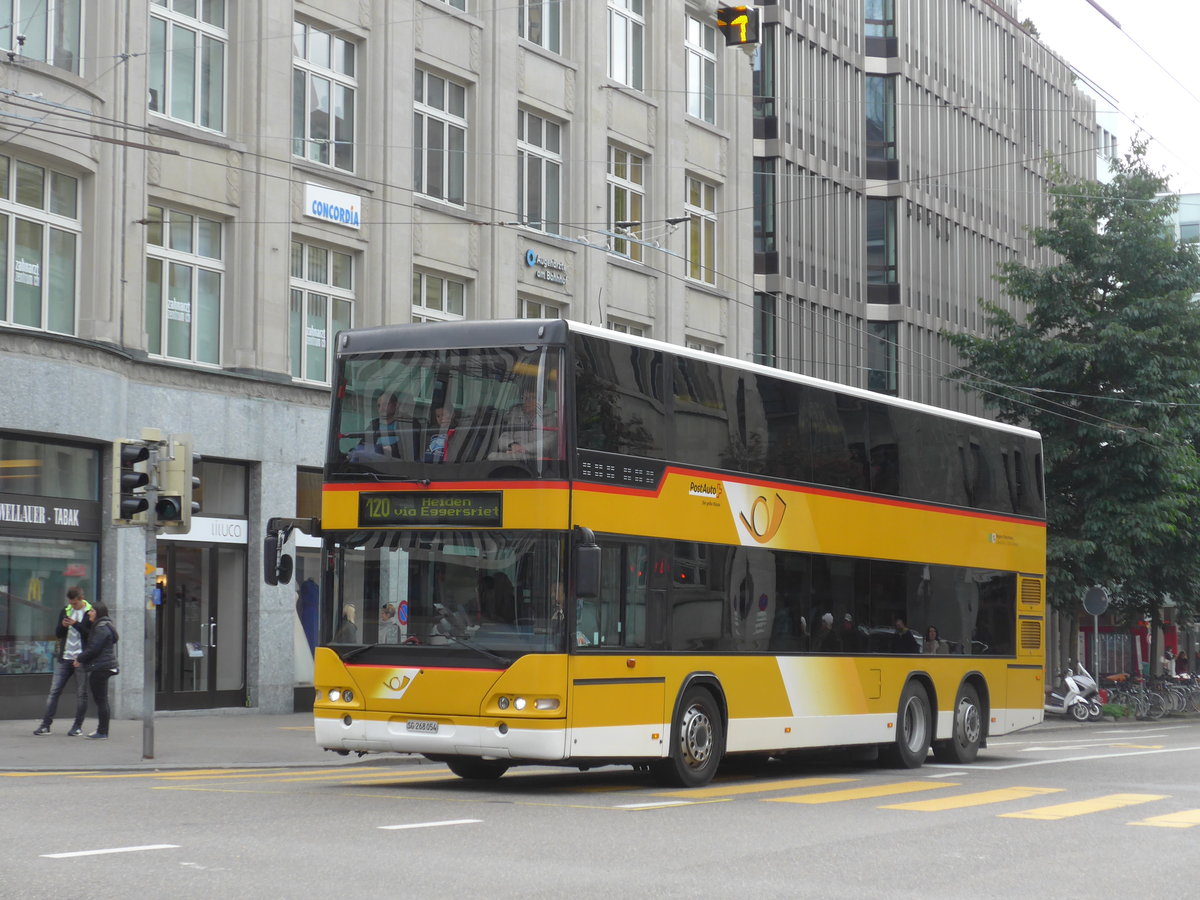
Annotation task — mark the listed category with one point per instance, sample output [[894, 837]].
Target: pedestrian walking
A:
[[72, 633], [99, 659]]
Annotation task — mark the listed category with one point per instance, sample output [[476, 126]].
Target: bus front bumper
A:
[[443, 736]]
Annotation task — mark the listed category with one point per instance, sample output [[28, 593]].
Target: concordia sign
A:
[[332, 206]]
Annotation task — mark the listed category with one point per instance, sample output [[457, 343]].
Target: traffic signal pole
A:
[[149, 637]]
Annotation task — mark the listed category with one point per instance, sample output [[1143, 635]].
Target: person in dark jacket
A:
[[99, 660], [72, 633]]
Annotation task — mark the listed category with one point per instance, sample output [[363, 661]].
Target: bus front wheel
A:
[[697, 742], [964, 745], [477, 769], [913, 730]]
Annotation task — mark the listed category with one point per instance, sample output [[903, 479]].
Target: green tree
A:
[[1103, 358]]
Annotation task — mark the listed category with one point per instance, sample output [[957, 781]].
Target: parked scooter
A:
[[1091, 692], [1067, 698]]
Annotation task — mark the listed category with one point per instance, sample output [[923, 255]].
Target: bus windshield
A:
[[487, 590], [449, 414]]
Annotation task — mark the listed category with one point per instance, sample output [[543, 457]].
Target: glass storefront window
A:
[[48, 470], [34, 577]]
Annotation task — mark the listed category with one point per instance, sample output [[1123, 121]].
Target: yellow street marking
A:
[[866, 793], [165, 773], [752, 787], [982, 798], [1185, 819], [1139, 746], [39, 774], [1083, 807], [254, 773], [378, 777]]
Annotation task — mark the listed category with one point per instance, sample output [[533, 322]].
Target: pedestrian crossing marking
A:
[[753, 787], [982, 798], [1185, 819], [1083, 807], [865, 793]]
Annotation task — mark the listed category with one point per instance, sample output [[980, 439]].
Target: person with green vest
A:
[[72, 633]]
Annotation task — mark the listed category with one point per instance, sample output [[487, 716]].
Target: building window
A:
[[184, 271], [1189, 232], [437, 299], [323, 91], [700, 206], [540, 21], [881, 240], [187, 61], [539, 172], [763, 77], [322, 304], [39, 246], [440, 137], [538, 309], [880, 18], [457, 4], [764, 204], [701, 49], [882, 368], [765, 346], [702, 346], [626, 27], [50, 29], [622, 327], [626, 191], [881, 117]]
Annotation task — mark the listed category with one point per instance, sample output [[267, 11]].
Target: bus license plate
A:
[[422, 727]]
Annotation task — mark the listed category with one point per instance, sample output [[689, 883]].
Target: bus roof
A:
[[521, 332]]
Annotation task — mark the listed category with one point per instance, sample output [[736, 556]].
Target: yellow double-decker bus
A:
[[551, 543]]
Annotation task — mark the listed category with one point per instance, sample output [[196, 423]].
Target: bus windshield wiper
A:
[[358, 650], [488, 653]]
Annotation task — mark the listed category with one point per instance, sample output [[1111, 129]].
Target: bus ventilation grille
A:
[[1031, 635], [1031, 590]]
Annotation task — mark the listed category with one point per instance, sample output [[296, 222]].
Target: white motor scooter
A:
[[1067, 698]]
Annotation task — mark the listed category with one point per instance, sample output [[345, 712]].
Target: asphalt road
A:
[[1092, 812]]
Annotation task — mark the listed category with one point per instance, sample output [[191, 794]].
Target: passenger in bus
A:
[[933, 644], [849, 636], [384, 433], [905, 639], [389, 628], [439, 441], [522, 427], [823, 639]]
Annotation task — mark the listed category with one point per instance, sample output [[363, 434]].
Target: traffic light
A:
[[129, 504], [177, 487], [739, 24]]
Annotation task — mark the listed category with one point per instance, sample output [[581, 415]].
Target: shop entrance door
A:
[[201, 626]]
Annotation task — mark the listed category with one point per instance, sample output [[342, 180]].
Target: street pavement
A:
[[216, 739]]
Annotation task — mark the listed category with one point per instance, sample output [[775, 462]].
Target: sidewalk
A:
[[219, 739]]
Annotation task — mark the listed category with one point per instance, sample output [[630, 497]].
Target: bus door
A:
[[617, 693]]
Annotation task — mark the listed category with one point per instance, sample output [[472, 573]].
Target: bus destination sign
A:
[[424, 509]]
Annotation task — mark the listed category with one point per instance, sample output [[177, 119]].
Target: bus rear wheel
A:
[[913, 730], [697, 742], [967, 738], [477, 769]]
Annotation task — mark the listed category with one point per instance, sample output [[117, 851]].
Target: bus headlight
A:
[[545, 703], [519, 703], [335, 695]]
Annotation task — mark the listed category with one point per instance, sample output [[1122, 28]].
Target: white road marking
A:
[[654, 805], [947, 774], [1069, 759], [110, 850], [431, 824]]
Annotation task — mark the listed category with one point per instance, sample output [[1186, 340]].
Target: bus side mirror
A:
[[587, 571], [277, 566]]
